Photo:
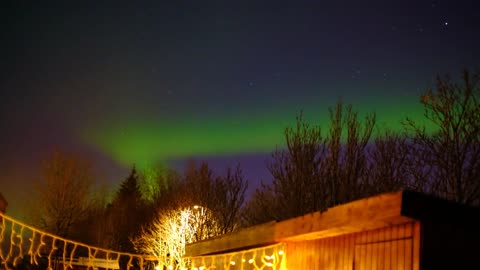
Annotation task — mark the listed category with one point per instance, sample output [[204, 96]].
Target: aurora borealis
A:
[[161, 83], [148, 142]]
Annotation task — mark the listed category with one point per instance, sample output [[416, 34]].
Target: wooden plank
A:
[[330, 262], [319, 253], [368, 251], [366, 214], [351, 251], [362, 251], [401, 248], [339, 252], [376, 248], [416, 246], [309, 252], [381, 251], [387, 249], [409, 246], [408, 253], [346, 247], [393, 250], [334, 253], [408, 230]]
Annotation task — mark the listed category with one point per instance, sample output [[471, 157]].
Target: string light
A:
[[40, 241], [270, 257]]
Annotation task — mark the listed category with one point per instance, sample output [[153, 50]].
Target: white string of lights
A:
[[270, 257], [44, 245]]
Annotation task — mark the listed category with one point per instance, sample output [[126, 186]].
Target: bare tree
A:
[[390, 163], [314, 172], [62, 194], [171, 230], [297, 183], [217, 199], [346, 165], [222, 194], [450, 150], [93, 229], [261, 207]]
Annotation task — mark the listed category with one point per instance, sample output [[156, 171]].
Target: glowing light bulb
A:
[[280, 252], [232, 262], [250, 261]]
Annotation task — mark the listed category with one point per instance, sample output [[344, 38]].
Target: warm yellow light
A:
[[170, 267], [262, 258], [280, 252], [157, 267]]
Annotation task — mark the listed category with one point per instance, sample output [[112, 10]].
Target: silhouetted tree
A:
[[93, 228], [190, 208], [316, 172], [346, 164], [449, 152], [126, 214], [61, 197], [390, 162], [297, 183], [223, 194]]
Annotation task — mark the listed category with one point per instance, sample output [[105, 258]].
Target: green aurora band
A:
[[148, 142]]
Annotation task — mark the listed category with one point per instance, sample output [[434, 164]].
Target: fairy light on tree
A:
[[167, 235]]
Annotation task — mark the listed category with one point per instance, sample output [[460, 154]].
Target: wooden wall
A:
[[396, 247]]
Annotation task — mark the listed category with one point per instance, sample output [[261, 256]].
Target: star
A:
[[445, 23], [419, 28]]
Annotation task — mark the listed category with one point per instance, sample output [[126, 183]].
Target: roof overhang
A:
[[371, 213]]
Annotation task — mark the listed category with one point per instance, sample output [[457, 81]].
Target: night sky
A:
[[161, 83]]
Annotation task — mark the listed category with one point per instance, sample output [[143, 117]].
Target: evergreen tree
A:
[[126, 214]]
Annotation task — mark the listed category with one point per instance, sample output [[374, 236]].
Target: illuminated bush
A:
[[167, 235]]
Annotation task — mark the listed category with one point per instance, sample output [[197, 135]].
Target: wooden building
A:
[[401, 230]]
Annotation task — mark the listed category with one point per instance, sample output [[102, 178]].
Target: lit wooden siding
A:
[[394, 247]]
